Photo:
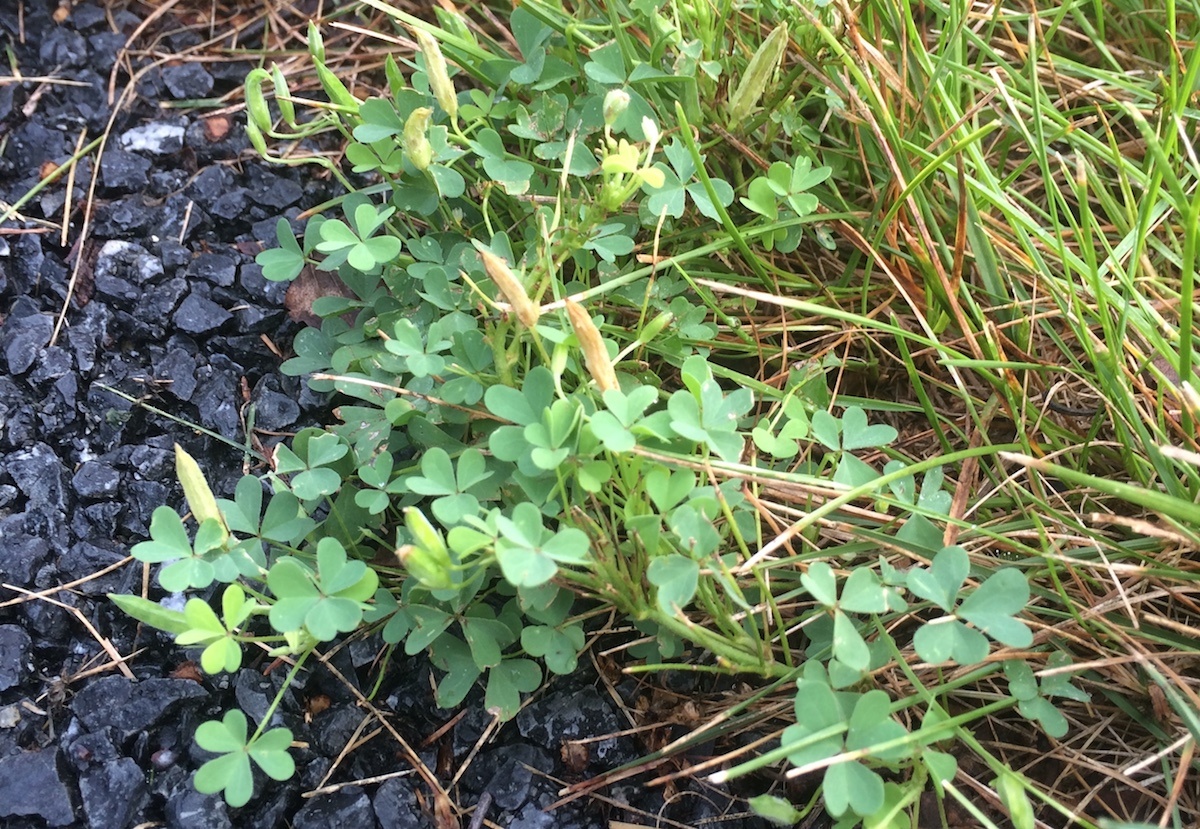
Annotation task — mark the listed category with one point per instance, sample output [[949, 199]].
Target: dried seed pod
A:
[[512, 289], [595, 355]]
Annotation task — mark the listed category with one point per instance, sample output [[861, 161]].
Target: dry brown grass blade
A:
[[118, 661], [443, 804]]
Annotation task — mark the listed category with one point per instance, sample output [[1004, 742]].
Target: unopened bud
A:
[[435, 69], [615, 103], [511, 288], [428, 560], [416, 144], [595, 355], [655, 327], [316, 45], [283, 95], [758, 72]]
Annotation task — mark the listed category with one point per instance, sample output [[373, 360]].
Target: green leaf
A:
[[857, 434], [852, 786], [429, 624], [676, 578], [775, 809], [607, 64], [512, 174], [328, 602], [853, 473], [863, 592], [668, 489], [379, 120], [316, 483], [946, 638], [231, 771], [453, 656], [871, 725], [485, 637], [993, 606], [270, 752], [941, 583], [817, 710], [849, 647], [762, 199], [1044, 712], [1058, 684], [821, 583], [151, 613], [942, 766], [526, 405], [827, 429], [324, 449], [1022, 684], [506, 682], [169, 539], [558, 647], [527, 551], [280, 264]]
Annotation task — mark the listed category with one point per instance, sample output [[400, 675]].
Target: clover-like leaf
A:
[[676, 578], [947, 638], [559, 647], [327, 602], [486, 637], [858, 434], [821, 583], [168, 538], [506, 682], [863, 592], [528, 552], [852, 786], [994, 605], [942, 582], [230, 772], [284, 263], [813, 736], [872, 728]]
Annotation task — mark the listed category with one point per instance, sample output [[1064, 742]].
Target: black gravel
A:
[[170, 309]]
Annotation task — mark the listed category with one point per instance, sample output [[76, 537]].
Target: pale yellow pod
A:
[[595, 355], [511, 288], [195, 488], [435, 68]]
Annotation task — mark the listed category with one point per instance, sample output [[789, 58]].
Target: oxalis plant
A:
[[538, 417]]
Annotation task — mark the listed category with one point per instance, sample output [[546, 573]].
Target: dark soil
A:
[[165, 305]]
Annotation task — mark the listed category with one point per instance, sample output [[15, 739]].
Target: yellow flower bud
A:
[[199, 496], [428, 560], [511, 288], [435, 69], [595, 355], [414, 141]]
